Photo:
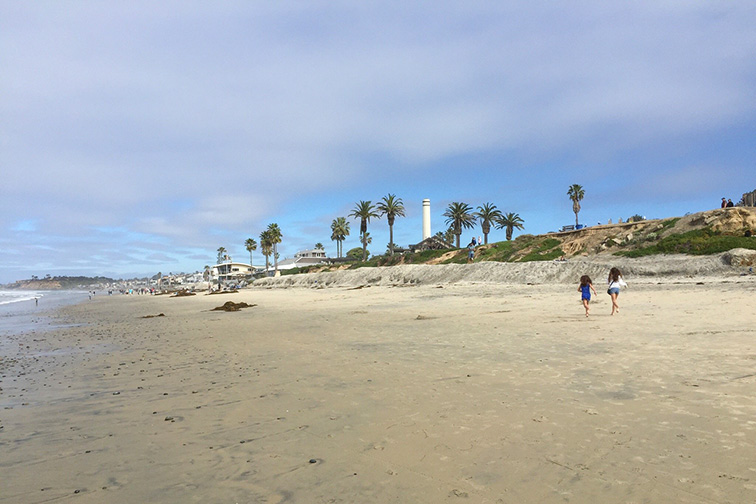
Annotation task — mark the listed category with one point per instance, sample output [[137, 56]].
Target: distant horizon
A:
[[140, 137], [261, 263]]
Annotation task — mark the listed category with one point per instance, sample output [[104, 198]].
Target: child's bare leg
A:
[[615, 306], [587, 307]]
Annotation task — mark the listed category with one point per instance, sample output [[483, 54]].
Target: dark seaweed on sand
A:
[[231, 306]]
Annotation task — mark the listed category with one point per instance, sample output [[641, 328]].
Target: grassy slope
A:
[[548, 247], [697, 242]]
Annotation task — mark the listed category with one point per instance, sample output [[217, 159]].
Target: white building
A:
[[302, 259], [231, 271]]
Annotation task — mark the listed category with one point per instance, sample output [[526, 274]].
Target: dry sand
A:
[[473, 392]]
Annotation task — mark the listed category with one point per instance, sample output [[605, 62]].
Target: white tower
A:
[[426, 219]]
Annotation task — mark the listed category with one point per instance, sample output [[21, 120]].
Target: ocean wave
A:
[[8, 297]]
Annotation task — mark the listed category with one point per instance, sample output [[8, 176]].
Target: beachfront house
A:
[[302, 259], [431, 243], [231, 272]]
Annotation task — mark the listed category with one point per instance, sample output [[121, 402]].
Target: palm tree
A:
[[336, 237], [339, 232], [487, 214], [250, 245], [364, 210], [576, 193], [447, 236], [366, 240], [459, 216], [206, 274], [319, 246], [510, 222], [221, 254], [392, 207], [266, 247], [275, 239]]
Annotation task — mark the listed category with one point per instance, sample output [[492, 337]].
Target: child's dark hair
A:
[[614, 275], [585, 280]]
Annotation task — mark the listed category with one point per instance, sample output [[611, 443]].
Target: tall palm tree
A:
[[366, 240], [510, 222], [364, 210], [266, 247], [339, 232], [206, 273], [275, 239], [392, 207], [447, 236], [335, 237], [487, 214], [459, 216], [221, 254], [250, 245], [576, 193]]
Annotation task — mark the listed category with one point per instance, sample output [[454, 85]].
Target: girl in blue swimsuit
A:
[[586, 286]]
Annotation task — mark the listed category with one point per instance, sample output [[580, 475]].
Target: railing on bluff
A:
[[749, 199]]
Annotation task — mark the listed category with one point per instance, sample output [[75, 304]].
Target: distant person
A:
[[730, 203], [586, 286], [473, 241], [36, 301], [615, 281], [471, 251], [724, 202]]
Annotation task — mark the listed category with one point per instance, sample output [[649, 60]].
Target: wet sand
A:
[[458, 393]]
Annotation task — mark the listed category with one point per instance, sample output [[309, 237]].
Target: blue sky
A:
[[138, 137]]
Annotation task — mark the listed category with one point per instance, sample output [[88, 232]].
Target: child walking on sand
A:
[[615, 281], [586, 286]]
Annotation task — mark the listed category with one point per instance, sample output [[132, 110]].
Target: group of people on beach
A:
[[615, 282]]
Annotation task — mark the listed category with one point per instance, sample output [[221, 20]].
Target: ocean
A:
[[22, 311]]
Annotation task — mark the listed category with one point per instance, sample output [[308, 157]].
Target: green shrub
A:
[[459, 258], [424, 256], [544, 256], [696, 242], [547, 250], [548, 244], [668, 223], [370, 263], [523, 241], [356, 253]]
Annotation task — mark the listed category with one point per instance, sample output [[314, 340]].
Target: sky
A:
[[137, 137]]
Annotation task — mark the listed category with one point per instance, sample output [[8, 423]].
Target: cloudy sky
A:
[[138, 137]]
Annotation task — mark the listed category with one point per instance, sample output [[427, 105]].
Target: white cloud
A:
[[190, 123]]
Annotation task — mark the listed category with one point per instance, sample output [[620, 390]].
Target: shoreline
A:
[[25, 315], [481, 392]]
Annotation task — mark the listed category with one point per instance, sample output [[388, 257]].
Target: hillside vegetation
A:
[[60, 283], [703, 233]]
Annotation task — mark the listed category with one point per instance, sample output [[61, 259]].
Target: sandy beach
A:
[[466, 392]]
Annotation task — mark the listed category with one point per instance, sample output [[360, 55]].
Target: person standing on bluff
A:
[[615, 281]]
